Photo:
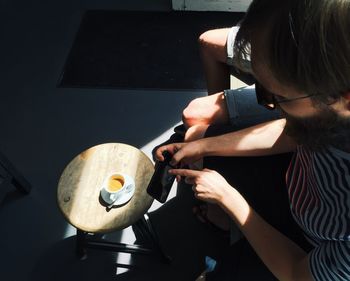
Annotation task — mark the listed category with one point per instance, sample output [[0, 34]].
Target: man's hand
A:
[[208, 185], [183, 153]]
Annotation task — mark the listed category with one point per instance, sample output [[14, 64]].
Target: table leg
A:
[[145, 229], [81, 244], [85, 241]]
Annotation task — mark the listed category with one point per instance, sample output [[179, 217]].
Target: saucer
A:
[[126, 196]]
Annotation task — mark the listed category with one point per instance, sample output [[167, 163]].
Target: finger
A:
[[177, 157], [197, 195], [185, 172], [189, 180], [159, 153], [171, 148]]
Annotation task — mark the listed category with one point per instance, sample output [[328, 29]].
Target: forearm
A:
[[263, 139], [285, 259]]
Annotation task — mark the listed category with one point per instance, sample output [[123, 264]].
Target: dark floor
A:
[[43, 128]]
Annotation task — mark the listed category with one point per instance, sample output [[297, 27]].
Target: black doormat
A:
[[123, 49]]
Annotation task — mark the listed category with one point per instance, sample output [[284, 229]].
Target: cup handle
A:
[[113, 197]]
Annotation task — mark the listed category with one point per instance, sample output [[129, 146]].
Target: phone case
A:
[[161, 181]]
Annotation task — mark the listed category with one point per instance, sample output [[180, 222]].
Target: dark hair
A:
[[307, 45]]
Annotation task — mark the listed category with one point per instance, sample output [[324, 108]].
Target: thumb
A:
[[176, 159]]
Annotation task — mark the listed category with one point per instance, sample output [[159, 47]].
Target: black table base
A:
[[142, 228]]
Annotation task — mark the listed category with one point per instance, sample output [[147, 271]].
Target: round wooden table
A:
[[79, 187]]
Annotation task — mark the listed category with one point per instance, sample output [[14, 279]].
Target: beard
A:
[[318, 132]]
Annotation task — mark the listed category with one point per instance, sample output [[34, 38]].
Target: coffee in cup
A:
[[115, 183], [115, 186]]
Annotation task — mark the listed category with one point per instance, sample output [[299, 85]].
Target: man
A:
[[300, 54]]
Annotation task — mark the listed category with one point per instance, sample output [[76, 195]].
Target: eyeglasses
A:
[[270, 100]]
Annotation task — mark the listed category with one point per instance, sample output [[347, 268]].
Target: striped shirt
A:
[[319, 193]]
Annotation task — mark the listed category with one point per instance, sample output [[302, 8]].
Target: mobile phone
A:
[[161, 181]]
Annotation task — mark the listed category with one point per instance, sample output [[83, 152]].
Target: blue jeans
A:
[[244, 110]]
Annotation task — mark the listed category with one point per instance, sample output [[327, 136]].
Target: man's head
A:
[[300, 52]]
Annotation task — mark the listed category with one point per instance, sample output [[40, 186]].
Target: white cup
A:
[[115, 186]]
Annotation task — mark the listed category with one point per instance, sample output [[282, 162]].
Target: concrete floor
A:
[[44, 127]]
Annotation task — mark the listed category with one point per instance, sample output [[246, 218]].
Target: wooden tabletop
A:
[[78, 193]]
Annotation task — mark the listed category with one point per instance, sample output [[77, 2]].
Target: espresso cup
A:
[[114, 187]]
